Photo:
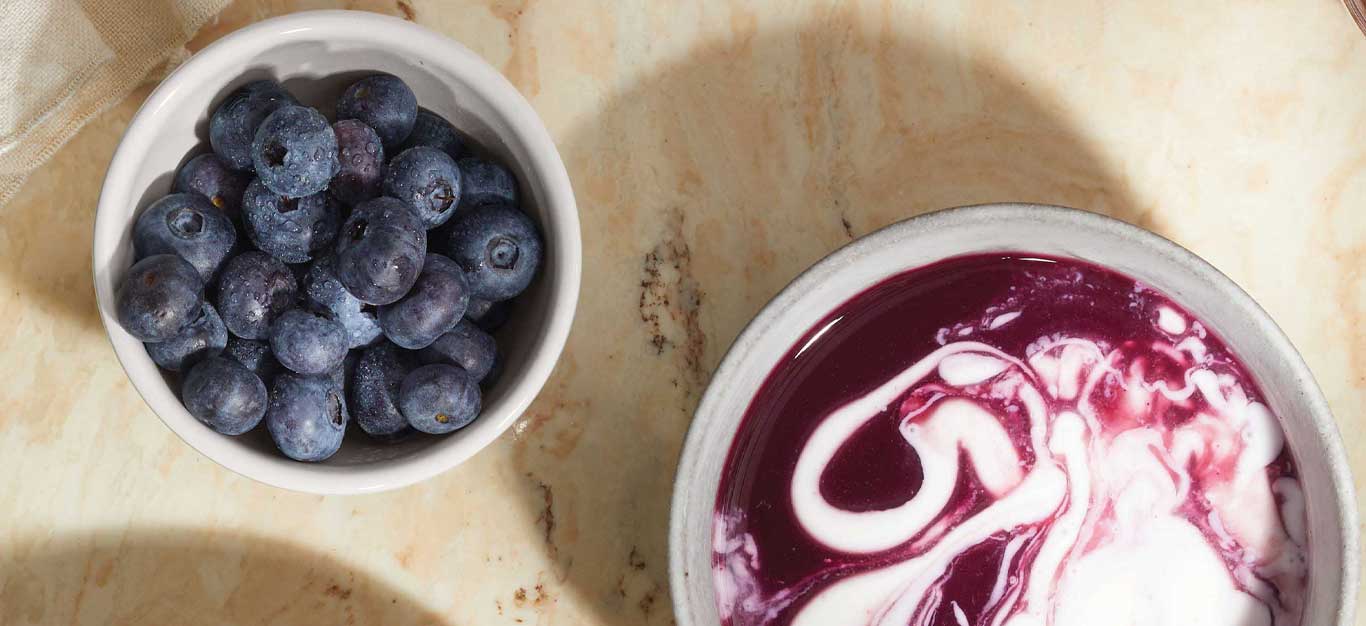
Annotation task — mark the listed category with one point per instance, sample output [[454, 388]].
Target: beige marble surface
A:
[[716, 151]]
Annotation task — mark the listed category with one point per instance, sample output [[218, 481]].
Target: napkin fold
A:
[[63, 62]]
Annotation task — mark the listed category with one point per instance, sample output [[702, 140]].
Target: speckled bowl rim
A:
[[224, 58], [690, 558]]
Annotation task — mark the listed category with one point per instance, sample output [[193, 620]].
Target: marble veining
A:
[[717, 149]]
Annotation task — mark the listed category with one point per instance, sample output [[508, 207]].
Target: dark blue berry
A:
[[289, 229], [500, 249], [159, 296], [485, 182], [374, 391], [439, 398], [224, 395], [308, 341], [232, 127], [307, 416], [343, 374], [427, 180], [380, 250], [200, 339], [433, 306], [385, 103], [295, 152], [187, 225], [465, 345], [254, 289], [362, 163], [434, 131], [322, 289], [254, 355], [487, 314], [209, 175]]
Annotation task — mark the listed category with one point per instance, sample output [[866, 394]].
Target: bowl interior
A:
[[1283, 377], [316, 56]]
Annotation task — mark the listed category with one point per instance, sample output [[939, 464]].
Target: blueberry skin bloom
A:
[[322, 290], [289, 229], [433, 306], [485, 182], [306, 417], [295, 152], [254, 355], [374, 392], [159, 297], [465, 345], [224, 395], [232, 127], [428, 181], [308, 342], [211, 176], [205, 337], [432, 130], [362, 163], [500, 249], [189, 226], [383, 102], [253, 290], [439, 398], [380, 251]]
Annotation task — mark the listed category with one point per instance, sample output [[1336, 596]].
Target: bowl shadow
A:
[[183, 576], [704, 188]]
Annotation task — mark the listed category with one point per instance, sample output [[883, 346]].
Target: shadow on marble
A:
[[704, 188], [170, 576]]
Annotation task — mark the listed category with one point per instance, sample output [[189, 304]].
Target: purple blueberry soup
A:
[[1009, 440]]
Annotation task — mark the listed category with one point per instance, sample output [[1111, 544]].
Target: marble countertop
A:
[[716, 150]]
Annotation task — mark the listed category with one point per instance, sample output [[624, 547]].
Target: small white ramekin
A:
[[316, 54], [1240, 323]]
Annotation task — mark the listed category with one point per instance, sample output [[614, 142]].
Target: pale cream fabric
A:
[[62, 62]]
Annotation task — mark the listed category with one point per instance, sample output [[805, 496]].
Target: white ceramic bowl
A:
[[1211, 296], [316, 55]]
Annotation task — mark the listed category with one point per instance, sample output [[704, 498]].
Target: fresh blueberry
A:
[[439, 398], [224, 395], [433, 306], [380, 251], [295, 152], [434, 131], [500, 249], [200, 339], [159, 296], [362, 163], [495, 372], [188, 225], [253, 290], [322, 289], [485, 182], [374, 391], [254, 355], [289, 229], [465, 345], [487, 314], [232, 127], [385, 103], [307, 416], [308, 341], [427, 180], [211, 176]]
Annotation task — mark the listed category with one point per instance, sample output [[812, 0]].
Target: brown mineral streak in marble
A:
[[741, 142]]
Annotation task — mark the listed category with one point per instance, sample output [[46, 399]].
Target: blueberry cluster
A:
[[299, 276]]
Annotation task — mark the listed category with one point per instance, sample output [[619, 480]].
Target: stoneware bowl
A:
[[316, 55], [1211, 296]]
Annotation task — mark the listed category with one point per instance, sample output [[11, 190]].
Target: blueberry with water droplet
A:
[[159, 296], [289, 229], [432, 130], [253, 290], [295, 152], [206, 336], [211, 176], [233, 125], [500, 249], [383, 102], [485, 182], [224, 395], [306, 417], [428, 181], [374, 391], [433, 306], [362, 163], [380, 251]]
